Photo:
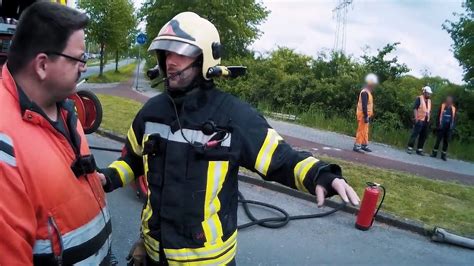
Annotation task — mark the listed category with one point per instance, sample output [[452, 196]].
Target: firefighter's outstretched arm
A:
[[130, 164], [265, 152], [17, 215]]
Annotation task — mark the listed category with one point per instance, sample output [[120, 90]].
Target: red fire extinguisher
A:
[[367, 212]]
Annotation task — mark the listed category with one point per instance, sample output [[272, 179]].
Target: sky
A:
[[309, 27]]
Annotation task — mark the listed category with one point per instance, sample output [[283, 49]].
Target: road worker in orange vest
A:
[[365, 111], [445, 121], [422, 113]]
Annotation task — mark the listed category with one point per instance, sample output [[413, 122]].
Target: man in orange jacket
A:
[[52, 208], [446, 121], [364, 112], [421, 113]]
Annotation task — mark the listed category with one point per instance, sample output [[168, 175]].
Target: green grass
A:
[[435, 203], [93, 62], [118, 113], [377, 133], [124, 73]]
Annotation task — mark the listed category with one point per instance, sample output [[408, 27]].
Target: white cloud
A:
[[309, 27]]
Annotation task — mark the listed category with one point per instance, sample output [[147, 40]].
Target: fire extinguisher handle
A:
[[380, 205]]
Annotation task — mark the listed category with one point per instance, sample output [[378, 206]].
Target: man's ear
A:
[[40, 65]]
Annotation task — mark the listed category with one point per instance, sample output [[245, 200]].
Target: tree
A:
[[462, 32], [126, 23], [385, 69], [111, 22], [237, 21]]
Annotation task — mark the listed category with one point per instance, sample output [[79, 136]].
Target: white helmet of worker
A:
[[371, 79], [427, 89], [188, 34]]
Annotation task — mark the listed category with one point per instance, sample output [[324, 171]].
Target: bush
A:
[[327, 88]]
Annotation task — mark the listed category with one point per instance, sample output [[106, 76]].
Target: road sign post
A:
[[141, 40]]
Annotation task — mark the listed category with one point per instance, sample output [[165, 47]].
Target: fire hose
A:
[[443, 236]]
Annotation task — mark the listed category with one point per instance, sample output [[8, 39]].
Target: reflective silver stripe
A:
[[99, 256], [5, 157], [190, 134], [77, 236], [5, 138]]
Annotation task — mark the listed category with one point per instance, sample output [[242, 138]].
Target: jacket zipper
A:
[[53, 228]]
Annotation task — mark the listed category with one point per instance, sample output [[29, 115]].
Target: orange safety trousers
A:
[[362, 135]]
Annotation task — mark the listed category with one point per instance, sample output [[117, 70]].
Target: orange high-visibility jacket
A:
[[43, 205], [424, 110], [370, 104]]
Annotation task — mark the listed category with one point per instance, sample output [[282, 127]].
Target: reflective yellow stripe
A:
[[223, 260], [152, 245], [300, 171], [124, 170], [212, 226], [266, 151], [152, 250], [137, 149], [185, 254]]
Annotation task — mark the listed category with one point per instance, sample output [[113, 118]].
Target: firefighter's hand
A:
[[137, 254], [103, 179], [337, 186]]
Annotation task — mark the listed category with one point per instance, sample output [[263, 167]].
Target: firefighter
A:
[[190, 141], [364, 112], [446, 120], [53, 209], [421, 113]]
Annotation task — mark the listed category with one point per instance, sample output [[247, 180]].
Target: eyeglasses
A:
[[83, 58]]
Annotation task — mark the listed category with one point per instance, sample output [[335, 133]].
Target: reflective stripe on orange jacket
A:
[[44, 206], [424, 110]]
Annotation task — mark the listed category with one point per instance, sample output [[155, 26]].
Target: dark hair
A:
[[44, 26]]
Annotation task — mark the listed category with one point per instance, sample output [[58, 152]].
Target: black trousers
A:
[[420, 131], [443, 134]]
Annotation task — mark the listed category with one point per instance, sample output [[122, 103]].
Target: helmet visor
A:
[[174, 46]]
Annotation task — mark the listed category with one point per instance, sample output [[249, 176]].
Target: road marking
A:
[[331, 148]]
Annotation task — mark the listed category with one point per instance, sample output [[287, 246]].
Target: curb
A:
[[389, 219]]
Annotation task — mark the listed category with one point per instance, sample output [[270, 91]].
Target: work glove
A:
[[137, 254], [366, 119]]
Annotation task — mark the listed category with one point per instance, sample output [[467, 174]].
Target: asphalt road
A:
[[329, 240], [94, 70]]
